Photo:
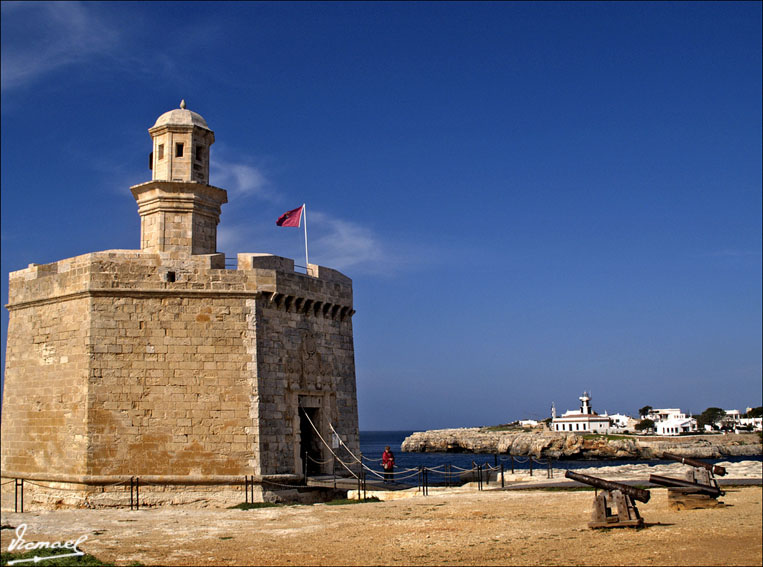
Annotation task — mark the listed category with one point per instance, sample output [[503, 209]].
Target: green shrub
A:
[[43, 552], [253, 505], [343, 501]]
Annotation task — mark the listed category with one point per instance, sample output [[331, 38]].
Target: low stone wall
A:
[[576, 446]]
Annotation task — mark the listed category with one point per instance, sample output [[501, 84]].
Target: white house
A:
[[755, 422], [731, 419], [583, 421], [675, 426], [657, 415], [621, 422]]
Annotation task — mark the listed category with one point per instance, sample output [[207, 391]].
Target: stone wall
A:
[[170, 387], [303, 358], [45, 390]]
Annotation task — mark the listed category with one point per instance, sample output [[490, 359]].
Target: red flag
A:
[[291, 218]]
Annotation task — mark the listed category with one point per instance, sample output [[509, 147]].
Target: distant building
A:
[[622, 422], [675, 426], [658, 415], [583, 421], [731, 419], [755, 422], [528, 423]]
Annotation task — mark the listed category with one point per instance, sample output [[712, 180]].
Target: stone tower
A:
[[162, 364], [179, 210]]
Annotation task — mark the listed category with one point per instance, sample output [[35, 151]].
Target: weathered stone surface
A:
[[574, 446]]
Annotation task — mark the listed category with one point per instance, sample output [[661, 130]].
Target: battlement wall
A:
[[120, 270]]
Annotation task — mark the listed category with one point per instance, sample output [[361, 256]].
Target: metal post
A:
[[447, 475], [131, 501], [333, 470], [304, 467], [531, 465], [503, 485], [550, 471], [137, 493], [495, 460], [512, 464]]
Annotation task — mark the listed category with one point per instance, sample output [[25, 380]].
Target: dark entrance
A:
[[309, 442]]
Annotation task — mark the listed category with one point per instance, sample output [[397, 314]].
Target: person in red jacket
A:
[[388, 464]]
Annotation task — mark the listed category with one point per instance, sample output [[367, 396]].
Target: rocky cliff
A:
[[575, 446]]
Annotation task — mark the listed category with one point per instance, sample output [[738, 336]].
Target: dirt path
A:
[[525, 527]]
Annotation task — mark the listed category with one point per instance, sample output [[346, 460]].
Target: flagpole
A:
[[304, 215]]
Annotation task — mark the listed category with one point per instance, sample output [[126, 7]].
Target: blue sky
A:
[[532, 199]]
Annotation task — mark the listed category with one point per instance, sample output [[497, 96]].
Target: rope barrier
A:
[[327, 461], [462, 470], [327, 445], [443, 473], [339, 437], [399, 478]]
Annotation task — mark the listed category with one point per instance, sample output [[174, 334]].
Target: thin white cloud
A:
[[239, 178], [41, 37], [733, 253], [345, 244], [335, 243]]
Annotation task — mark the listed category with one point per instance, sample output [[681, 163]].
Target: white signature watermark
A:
[[20, 544]]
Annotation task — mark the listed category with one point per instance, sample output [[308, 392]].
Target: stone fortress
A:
[[162, 364]]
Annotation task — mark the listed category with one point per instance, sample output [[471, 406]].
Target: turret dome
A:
[[181, 117]]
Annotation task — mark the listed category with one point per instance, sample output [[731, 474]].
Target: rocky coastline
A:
[[576, 446]]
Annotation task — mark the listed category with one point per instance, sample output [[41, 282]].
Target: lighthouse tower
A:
[[585, 404]]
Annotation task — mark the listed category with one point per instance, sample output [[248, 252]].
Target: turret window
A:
[[160, 151], [199, 153], [178, 150]]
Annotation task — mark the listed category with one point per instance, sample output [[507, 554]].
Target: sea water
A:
[[372, 445]]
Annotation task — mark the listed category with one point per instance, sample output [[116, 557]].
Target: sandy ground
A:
[[448, 527]]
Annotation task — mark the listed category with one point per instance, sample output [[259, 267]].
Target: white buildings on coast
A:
[[671, 421], [667, 421]]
